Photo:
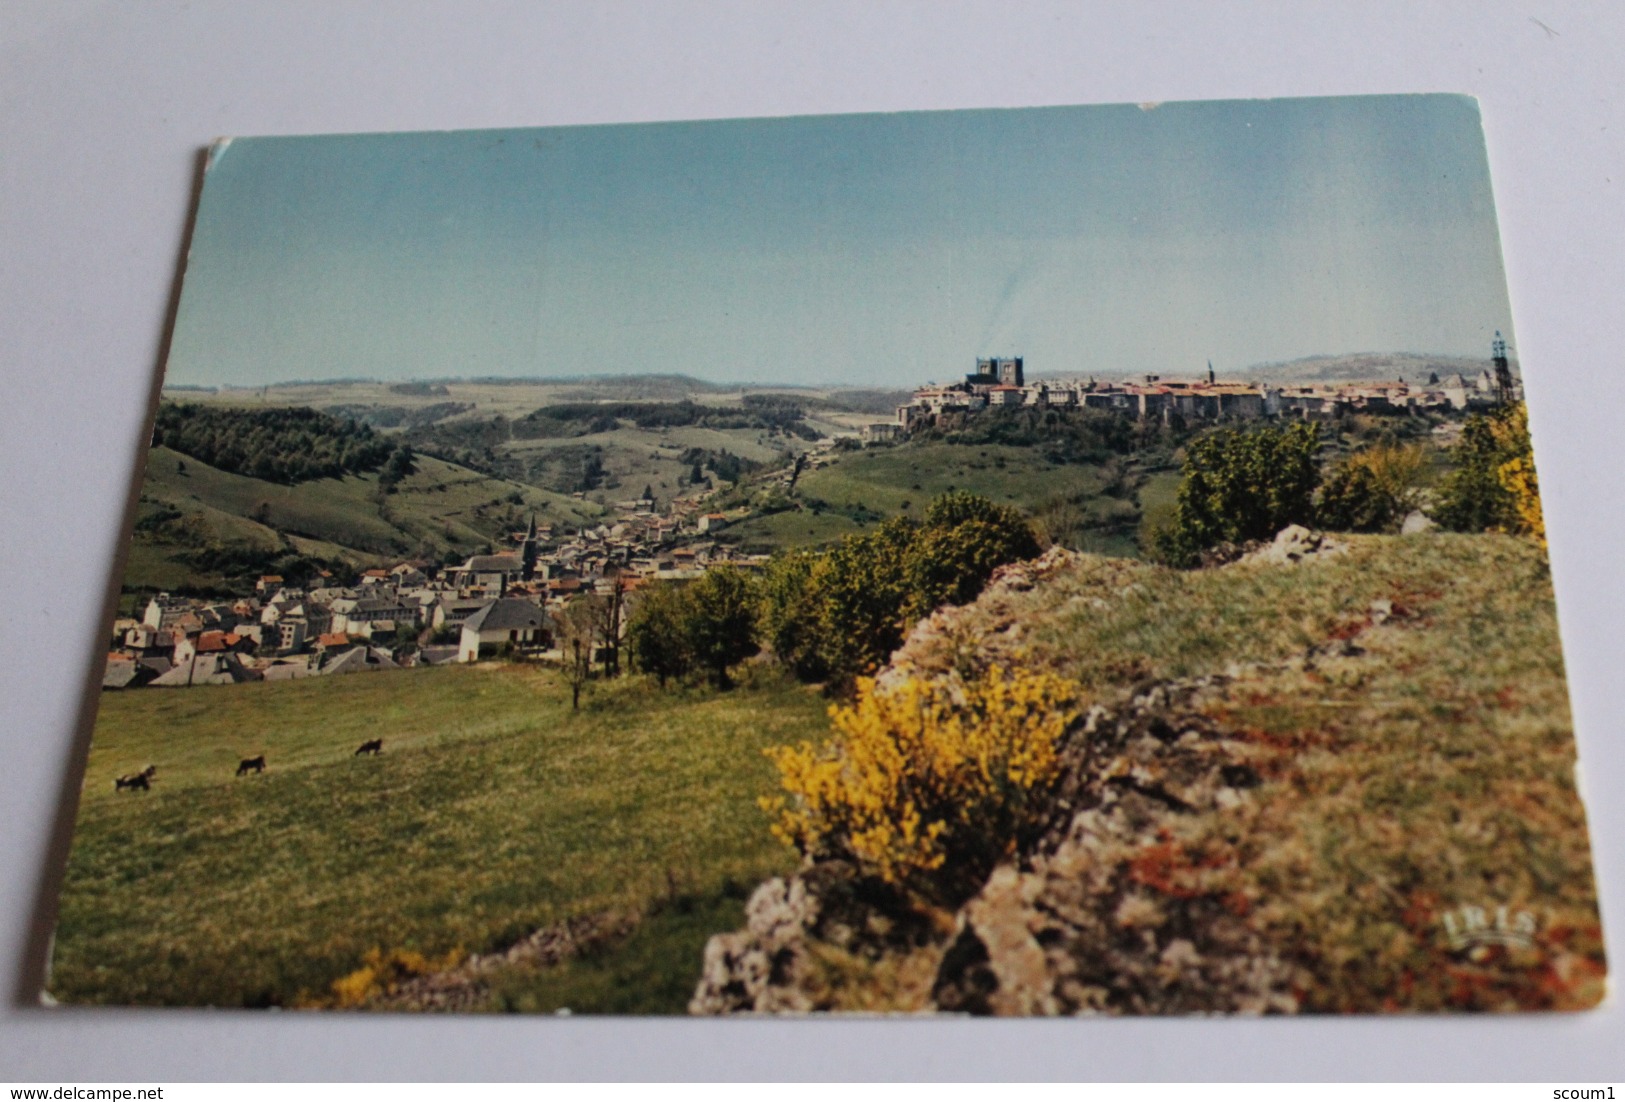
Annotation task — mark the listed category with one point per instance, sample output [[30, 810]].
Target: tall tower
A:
[[1503, 373], [527, 552]]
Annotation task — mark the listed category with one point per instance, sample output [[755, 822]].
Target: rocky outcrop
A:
[[1109, 913], [1293, 544], [768, 967], [987, 632], [465, 987], [1113, 913]]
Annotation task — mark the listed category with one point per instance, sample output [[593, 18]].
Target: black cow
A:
[[133, 781]]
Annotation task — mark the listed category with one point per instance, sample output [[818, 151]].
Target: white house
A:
[[501, 623]]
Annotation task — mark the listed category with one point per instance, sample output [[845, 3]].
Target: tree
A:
[[965, 538], [657, 632], [576, 636], [863, 589], [1241, 486], [1473, 497], [721, 622], [401, 463], [608, 611], [1517, 473], [835, 615], [1371, 490], [1493, 487], [790, 601]]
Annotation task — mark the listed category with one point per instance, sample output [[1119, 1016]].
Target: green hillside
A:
[[206, 528], [492, 811], [634, 431], [1086, 505], [887, 479]]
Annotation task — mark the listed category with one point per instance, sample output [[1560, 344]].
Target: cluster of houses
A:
[[1000, 382], [413, 613]]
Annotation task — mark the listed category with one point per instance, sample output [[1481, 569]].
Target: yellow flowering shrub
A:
[[379, 974], [1517, 474], [927, 783]]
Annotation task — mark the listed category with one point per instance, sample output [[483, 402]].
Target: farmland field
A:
[[492, 811]]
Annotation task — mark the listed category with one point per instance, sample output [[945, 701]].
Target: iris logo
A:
[[1471, 925]]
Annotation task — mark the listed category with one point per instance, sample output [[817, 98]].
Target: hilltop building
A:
[[998, 371], [1000, 382]]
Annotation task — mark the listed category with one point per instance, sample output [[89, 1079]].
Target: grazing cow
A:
[[371, 746], [133, 781], [251, 765]]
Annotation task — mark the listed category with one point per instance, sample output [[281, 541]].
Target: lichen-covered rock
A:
[[1111, 914], [1295, 543], [766, 967]]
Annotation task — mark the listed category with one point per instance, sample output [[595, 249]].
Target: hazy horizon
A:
[[1247, 373], [858, 250]]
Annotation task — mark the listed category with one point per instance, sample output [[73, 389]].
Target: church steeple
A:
[[528, 552]]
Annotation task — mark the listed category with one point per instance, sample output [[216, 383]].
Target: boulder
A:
[[1293, 544], [1416, 522]]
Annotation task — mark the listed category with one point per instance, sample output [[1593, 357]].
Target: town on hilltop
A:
[[1000, 382]]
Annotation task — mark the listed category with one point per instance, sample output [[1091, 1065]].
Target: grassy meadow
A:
[[492, 811]]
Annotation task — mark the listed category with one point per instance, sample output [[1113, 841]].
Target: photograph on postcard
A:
[[1071, 560]]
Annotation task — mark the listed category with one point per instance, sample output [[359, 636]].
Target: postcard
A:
[[1060, 561]]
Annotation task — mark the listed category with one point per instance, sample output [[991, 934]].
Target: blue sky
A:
[[857, 249]]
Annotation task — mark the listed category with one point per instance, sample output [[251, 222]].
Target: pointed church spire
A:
[[528, 551]]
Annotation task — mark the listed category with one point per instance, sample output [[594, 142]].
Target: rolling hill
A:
[[204, 528]]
